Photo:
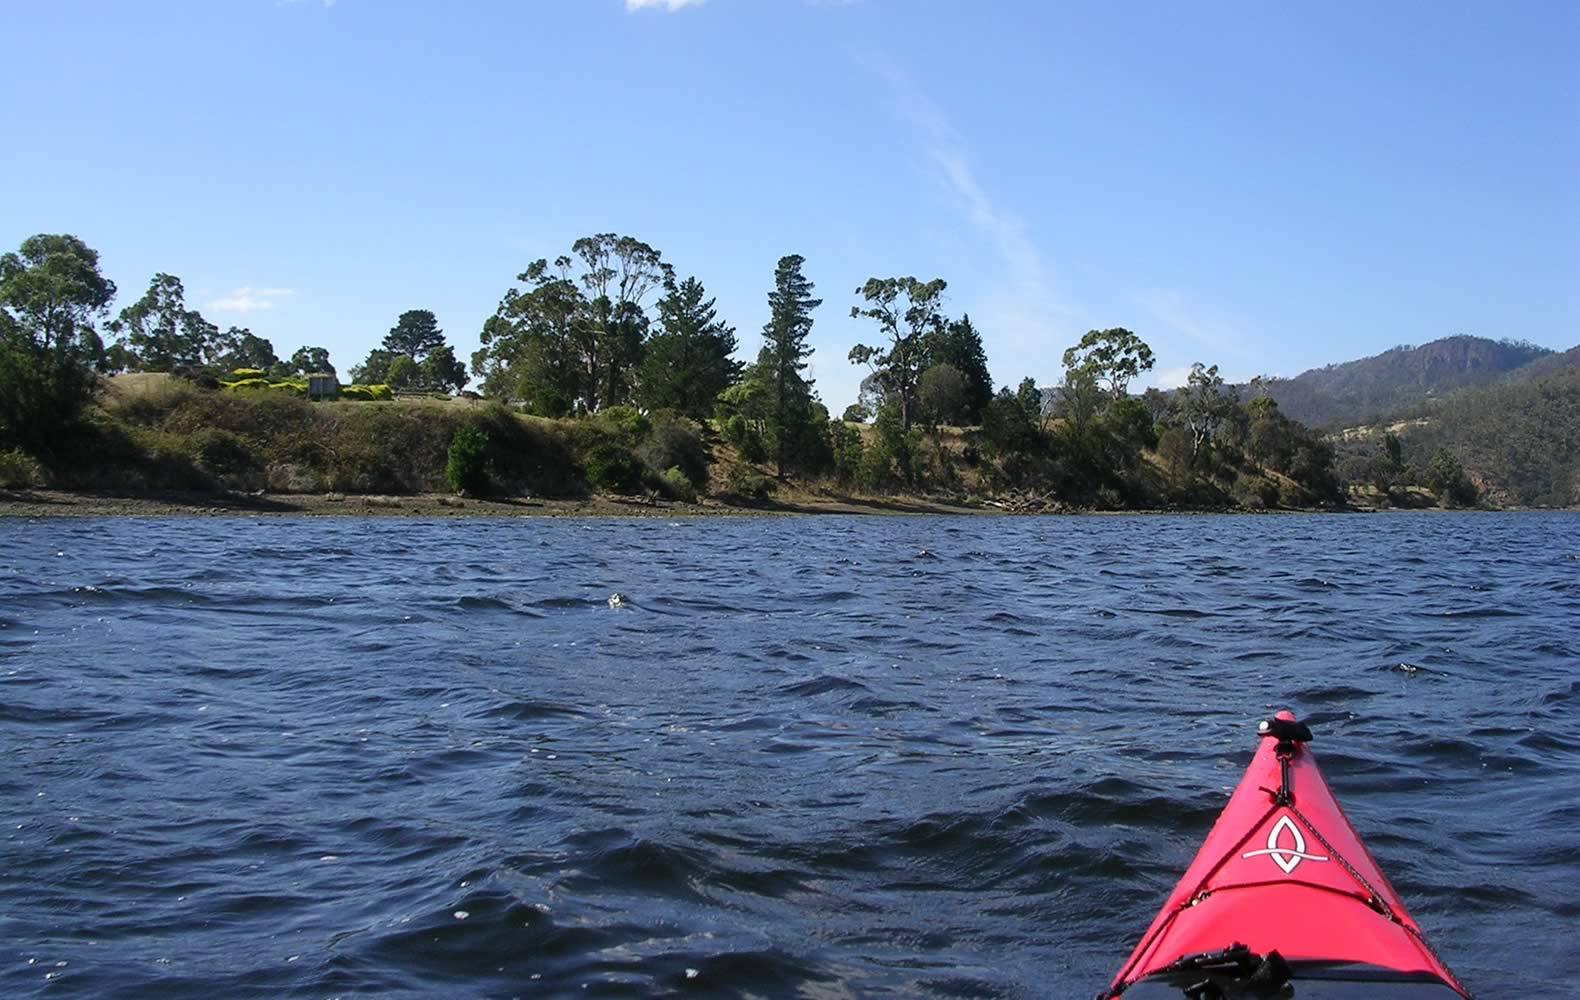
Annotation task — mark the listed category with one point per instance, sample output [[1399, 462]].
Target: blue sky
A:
[[1268, 187]]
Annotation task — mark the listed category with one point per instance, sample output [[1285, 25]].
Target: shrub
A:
[[746, 438], [1131, 422], [623, 422], [221, 453], [246, 385], [611, 466], [467, 466], [674, 442], [745, 481], [848, 451], [19, 470], [237, 374], [367, 393], [676, 485]]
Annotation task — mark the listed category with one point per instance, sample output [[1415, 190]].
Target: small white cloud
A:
[[668, 6], [246, 300], [1170, 378]]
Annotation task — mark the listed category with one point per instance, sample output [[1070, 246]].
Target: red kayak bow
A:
[[1283, 899]]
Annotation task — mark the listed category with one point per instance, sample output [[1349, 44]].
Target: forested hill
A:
[[1547, 364], [1366, 390], [1520, 441]]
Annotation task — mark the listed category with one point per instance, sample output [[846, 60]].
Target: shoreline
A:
[[32, 504], [27, 504]]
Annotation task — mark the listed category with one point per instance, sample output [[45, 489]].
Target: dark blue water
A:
[[821, 757]]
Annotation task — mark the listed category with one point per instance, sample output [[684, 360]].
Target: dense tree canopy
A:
[[579, 335], [959, 345], [573, 338], [689, 361], [414, 355], [51, 296], [160, 334]]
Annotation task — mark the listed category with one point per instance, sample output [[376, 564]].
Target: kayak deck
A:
[[1284, 878]]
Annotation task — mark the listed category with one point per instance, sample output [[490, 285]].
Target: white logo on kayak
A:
[[1284, 857]]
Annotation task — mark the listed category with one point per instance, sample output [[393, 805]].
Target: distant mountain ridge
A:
[[1368, 389]]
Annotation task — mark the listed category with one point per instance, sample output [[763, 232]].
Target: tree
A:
[[238, 347], [1204, 404], [620, 271], [1037, 406], [309, 361], [539, 346], [958, 344], [783, 357], [573, 340], [414, 355], [942, 395], [375, 370], [441, 370], [688, 362], [54, 291], [51, 295], [415, 334], [1446, 478], [1081, 398], [906, 310], [1386, 468], [162, 334], [1011, 424], [1114, 356], [402, 373]]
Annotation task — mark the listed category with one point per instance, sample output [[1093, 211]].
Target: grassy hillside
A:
[[156, 433]]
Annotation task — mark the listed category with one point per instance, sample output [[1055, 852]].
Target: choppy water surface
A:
[[820, 757]]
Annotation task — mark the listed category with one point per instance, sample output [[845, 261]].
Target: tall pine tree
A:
[[783, 357], [687, 363]]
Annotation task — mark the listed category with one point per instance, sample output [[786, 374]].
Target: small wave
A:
[[823, 684]]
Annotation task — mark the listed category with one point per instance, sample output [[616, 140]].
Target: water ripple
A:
[[823, 757]]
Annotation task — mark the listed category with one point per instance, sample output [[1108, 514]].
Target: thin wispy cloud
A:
[[246, 300], [1171, 308], [1020, 312], [1201, 335], [667, 6]]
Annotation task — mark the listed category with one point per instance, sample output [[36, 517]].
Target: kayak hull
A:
[[1283, 871]]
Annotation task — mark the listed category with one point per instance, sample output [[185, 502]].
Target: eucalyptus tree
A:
[[306, 360], [619, 272], [1114, 356], [540, 346], [1204, 404], [906, 310], [162, 335], [52, 295], [239, 347]]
